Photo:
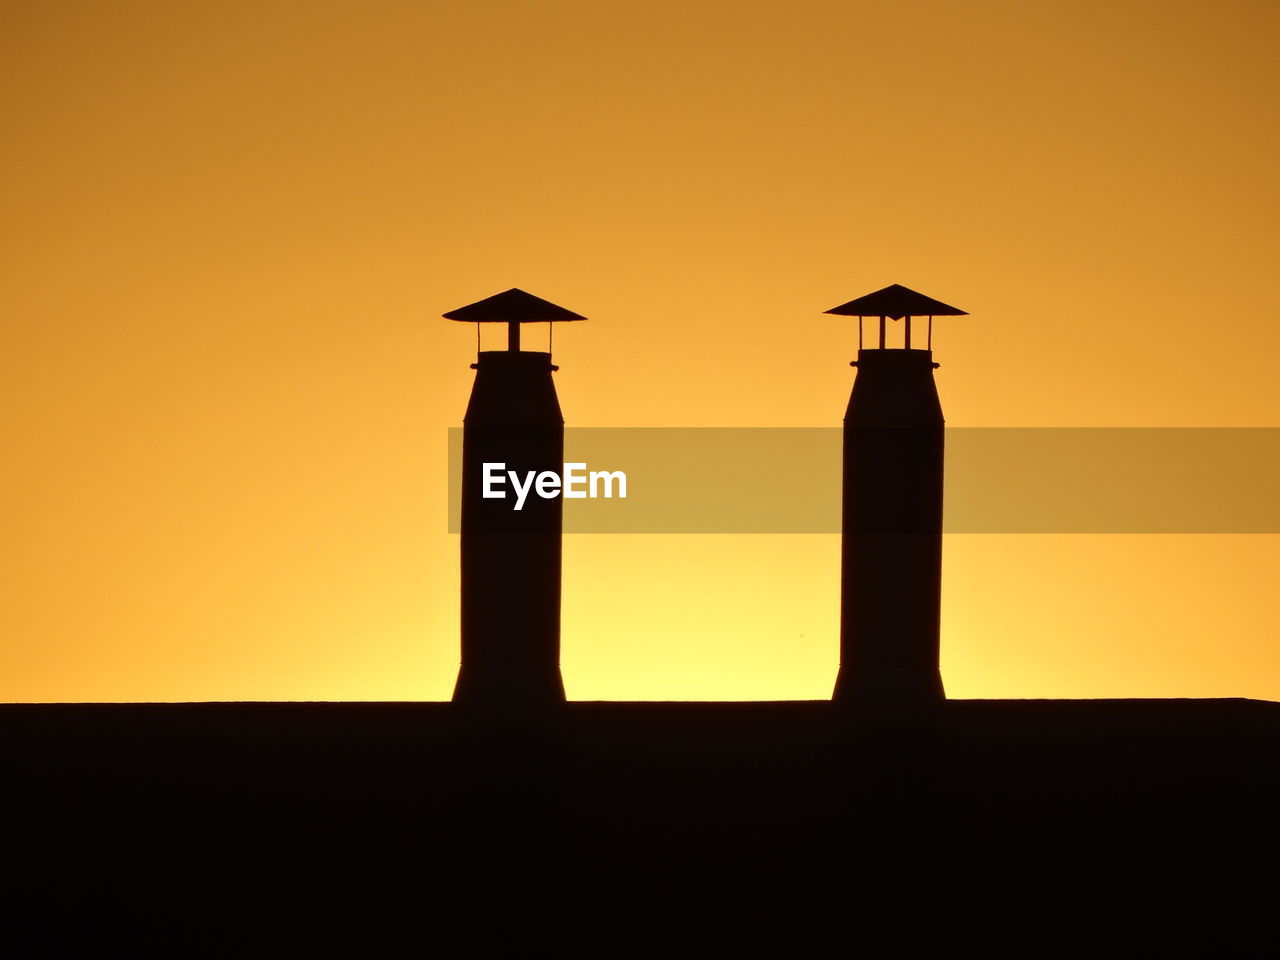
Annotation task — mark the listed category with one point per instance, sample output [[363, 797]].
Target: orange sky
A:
[[230, 229]]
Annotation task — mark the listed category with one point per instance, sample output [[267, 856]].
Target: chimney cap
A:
[[896, 301], [512, 306]]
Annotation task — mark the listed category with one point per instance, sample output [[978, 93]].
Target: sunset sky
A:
[[230, 230]]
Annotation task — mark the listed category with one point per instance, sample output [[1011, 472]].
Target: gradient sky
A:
[[230, 230]]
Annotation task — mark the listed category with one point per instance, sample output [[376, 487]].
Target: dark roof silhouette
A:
[[371, 824], [896, 301], [513, 306]]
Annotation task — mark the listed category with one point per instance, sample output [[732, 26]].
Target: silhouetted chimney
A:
[[510, 557], [891, 552]]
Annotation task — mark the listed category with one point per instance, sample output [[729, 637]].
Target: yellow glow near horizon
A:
[[231, 230]]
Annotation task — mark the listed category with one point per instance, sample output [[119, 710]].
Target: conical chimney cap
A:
[[513, 306], [896, 301]]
